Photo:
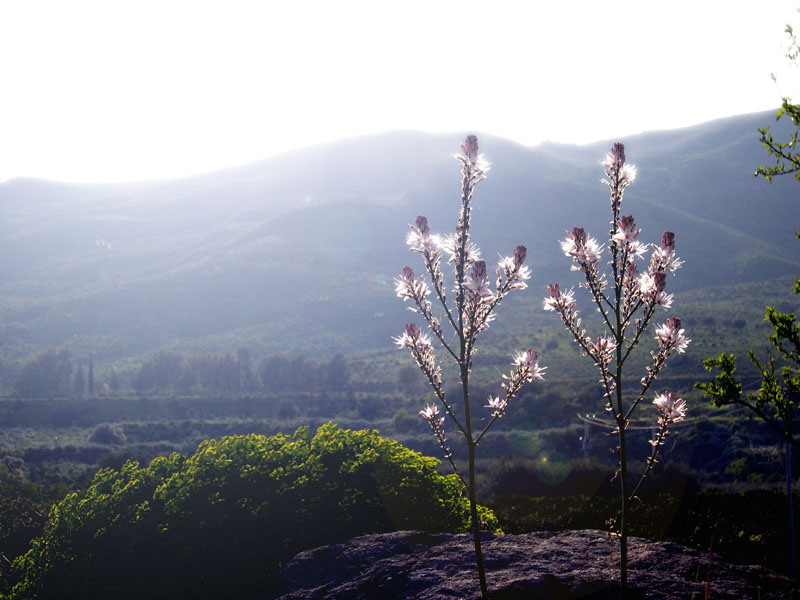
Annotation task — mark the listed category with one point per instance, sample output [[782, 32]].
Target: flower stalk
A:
[[627, 301], [476, 296]]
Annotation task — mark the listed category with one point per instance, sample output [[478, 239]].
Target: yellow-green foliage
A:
[[221, 522]]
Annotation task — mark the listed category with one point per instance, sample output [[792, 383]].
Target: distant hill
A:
[[297, 253]]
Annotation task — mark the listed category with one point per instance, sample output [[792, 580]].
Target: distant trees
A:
[[114, 384], [247, 379], [48, 373], [410, 381], [210, 374], [90, 378], [170, 372], [160, 372], [281, 373], [79, 381], [53, 373]]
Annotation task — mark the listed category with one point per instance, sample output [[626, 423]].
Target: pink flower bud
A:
[[470, 148], [618, 154], [420, 238], [412, 331], [478, 281], [619, 174], [520, 252], [664, 256], [668, 241], [578, 235], [515, 272], [556, 298], [659, 281], [472, 161], [422, 225], [583, 249], [479, 270]]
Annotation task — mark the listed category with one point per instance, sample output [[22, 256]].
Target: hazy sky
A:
[[110, 91]]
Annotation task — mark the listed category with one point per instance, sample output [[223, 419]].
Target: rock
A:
[[552, 565]]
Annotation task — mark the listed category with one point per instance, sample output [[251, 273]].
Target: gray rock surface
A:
[[552, 565]]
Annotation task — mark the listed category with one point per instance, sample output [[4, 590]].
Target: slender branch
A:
[[516, 382], [436, 384], [652, 373], [599, 297], [437, 431], [662, 433], [769, 421], [438, 285], [641, 327], [423, 308], [494, 418]]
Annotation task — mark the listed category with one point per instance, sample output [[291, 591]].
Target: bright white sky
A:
[[112, 90]]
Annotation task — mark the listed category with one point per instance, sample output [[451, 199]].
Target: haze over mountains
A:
[[297, 253]]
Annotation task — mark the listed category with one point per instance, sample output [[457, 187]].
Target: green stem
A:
[[476, 525], [623, 528], [621, 426], [473, 505]]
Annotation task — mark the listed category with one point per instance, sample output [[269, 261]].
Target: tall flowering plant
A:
[[456, 323], [627, 300]]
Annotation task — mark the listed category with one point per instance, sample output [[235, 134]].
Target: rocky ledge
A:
[[552, 565]]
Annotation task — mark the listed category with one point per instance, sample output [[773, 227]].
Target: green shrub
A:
[[108, 434], [221, 522], [23, 512]]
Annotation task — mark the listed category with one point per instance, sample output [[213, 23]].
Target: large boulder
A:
[[546, 565]]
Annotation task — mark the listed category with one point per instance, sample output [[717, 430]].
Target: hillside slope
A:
[[296, 253]]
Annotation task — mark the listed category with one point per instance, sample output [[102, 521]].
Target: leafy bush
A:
[[23, 511], [220, 523], [108, 434]]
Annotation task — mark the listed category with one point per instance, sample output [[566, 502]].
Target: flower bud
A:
[[470, 148], [578, 235], [412, 331], [668, 241], [659, 280], [422, 225], [618, 155], [520, 252]]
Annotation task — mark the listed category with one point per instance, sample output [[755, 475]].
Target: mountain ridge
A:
[[118, 270]]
